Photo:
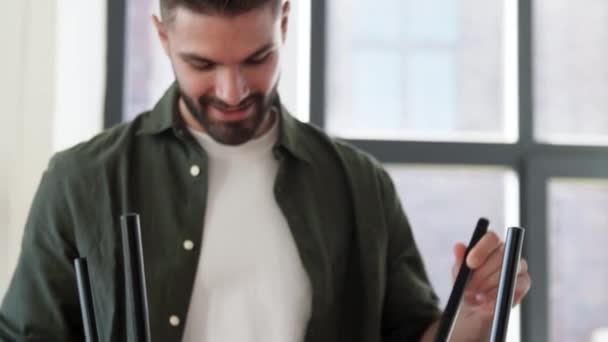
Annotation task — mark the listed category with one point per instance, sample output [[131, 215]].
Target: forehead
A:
[[223, 37]]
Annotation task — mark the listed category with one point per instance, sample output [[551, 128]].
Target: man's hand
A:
[[485, 260], [477, 309]]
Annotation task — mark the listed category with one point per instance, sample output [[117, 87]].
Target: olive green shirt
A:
[[368, 280]]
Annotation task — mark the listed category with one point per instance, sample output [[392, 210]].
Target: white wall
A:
[[31, 92], [80, 70], [27, 92]]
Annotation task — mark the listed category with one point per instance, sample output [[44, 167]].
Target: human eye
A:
[[201, 65], [258, 59]]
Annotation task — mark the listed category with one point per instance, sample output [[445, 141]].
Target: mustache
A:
[[221, 105]]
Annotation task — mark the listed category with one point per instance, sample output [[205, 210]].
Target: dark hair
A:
[[221, 7]]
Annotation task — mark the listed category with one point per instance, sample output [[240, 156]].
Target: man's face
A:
[[227, 68]]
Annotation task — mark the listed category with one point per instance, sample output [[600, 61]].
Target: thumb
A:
[[459, 252]]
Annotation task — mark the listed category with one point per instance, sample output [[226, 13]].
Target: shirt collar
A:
[[164, 117]]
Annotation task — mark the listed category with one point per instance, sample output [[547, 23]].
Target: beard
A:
[[231, 133]]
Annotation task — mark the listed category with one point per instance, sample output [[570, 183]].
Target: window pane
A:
[[408, 69], [570, 71], [578, 276], [148, 72], [443, 204]]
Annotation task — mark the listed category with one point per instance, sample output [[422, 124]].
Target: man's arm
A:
[[410, 310], [41, 303], [465, 329], [410, 304]]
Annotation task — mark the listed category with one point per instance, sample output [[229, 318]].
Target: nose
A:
[[231, 86]]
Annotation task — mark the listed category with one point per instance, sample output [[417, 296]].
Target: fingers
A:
[[490, 267], [524, 283], [489, 297], [492, 280], [485, 259], [459, 252], [487, 293], [483, 249]]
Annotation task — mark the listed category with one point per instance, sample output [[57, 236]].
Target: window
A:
[[417, 70], [493, 90], [148, 71], [570, 70], [577, 256], [430, 88]]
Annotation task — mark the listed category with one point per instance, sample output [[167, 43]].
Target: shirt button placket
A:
[[188, 245]]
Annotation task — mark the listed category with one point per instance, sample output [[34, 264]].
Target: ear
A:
[[161, 30], [285, 9]]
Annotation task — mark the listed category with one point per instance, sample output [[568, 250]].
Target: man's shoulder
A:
[[326, 145], [102, 150]]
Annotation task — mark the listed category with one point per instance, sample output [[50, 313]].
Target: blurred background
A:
[[478, 108]]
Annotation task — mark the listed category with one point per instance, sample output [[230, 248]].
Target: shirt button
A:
[[195, 170], [174, 320], [188, 245]]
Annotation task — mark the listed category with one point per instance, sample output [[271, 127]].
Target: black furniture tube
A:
[[135, 279], [507, 282], [86, 299], [446, 325]]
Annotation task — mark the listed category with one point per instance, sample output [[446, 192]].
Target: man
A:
[[256, 227]]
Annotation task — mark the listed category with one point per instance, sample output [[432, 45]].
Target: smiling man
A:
[[255, 226]]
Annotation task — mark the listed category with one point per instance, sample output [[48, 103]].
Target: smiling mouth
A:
[[232, 114]]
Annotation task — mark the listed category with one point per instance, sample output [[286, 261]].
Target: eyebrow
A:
[[194, 57]]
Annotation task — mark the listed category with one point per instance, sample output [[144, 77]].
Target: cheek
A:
[[192, 82], [263, 78]]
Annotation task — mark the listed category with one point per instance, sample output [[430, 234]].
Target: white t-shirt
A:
[[250, 284]]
